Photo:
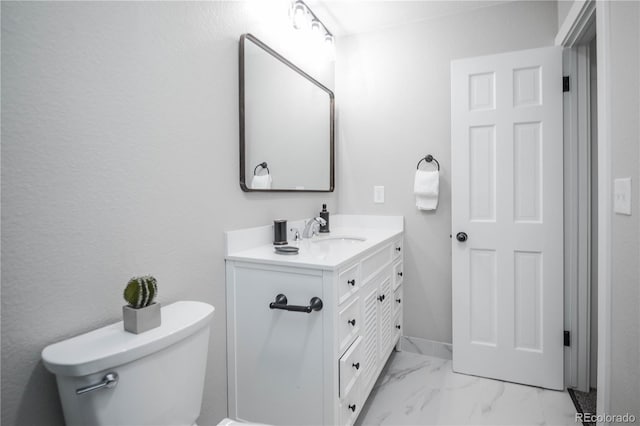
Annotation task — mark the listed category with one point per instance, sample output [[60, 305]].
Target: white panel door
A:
[[506, 174]]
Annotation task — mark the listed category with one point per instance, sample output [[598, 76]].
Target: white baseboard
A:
[[426, 347]]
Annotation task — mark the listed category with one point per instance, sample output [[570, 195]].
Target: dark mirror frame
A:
[[282, 59]]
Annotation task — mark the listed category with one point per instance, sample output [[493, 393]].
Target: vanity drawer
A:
[[398, 274], [350, 406], [348, 282], [397, 326], [372, 264], [350, 367], [349, 322], [397, 248], [397, 300]]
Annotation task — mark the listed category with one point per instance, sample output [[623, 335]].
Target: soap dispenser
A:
[[325, 215]]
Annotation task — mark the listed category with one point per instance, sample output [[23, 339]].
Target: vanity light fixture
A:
[[303, 17]]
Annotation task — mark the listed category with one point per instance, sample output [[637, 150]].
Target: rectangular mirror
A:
[[286, 124]]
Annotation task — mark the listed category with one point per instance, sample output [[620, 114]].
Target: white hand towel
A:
[[426, 187], [261, 182]]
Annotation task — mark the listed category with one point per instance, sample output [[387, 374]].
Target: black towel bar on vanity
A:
[[315, 304]]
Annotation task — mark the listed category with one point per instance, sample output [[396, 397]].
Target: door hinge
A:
[[567, 338], [565, 83]]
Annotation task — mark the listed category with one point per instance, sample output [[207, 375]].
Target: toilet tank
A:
[[160, 372]]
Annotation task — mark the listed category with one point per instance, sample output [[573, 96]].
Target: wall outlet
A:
[[378, 194], [622, 196]]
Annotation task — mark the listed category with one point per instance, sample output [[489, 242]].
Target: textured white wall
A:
[[625, 242], [394, 108], [119, 158], [563, 10]]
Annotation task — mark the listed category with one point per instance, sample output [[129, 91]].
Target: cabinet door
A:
[[386, 317], [370, 333], [278, 354]]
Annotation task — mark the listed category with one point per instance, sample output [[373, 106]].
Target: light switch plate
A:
[[378, 194], [622, 196]]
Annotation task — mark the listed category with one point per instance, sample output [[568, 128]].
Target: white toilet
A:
[[111, 377]]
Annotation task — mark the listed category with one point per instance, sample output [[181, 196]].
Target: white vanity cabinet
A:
[[298, 368]]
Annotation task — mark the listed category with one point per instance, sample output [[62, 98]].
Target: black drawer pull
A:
[[351, 282], [398, 249], [356, 365], [398, 326], [352, 407], [352, 322], [381, 297], [399, 274], [315, 304], [399, 300]]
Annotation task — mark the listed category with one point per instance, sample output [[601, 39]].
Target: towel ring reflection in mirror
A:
[[429, 158], [263, 165]]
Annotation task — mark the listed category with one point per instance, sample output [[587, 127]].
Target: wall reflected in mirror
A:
[[286, 124]]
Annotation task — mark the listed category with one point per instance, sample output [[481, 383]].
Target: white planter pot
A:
[[140, 320]]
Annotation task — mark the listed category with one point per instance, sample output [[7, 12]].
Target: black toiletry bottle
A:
[[325, 215], [280, 232]]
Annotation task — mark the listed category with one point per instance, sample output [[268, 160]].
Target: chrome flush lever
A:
[[110, 380]]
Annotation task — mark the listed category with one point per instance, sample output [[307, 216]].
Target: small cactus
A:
[[141, 291]]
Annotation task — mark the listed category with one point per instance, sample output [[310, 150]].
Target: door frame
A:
[[577, 220], [572, 30]]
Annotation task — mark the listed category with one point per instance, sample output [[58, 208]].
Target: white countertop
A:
[[313, 252]]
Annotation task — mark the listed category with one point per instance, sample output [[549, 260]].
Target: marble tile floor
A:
[[417, 389]]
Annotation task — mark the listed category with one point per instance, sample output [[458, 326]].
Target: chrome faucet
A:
[[312, 226], [296, 235]]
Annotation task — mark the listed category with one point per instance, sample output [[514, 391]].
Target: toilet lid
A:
[[112, 345]]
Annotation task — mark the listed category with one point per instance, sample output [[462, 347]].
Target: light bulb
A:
[[328, 47], [299, 16], [328, 39], [316, 27]]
